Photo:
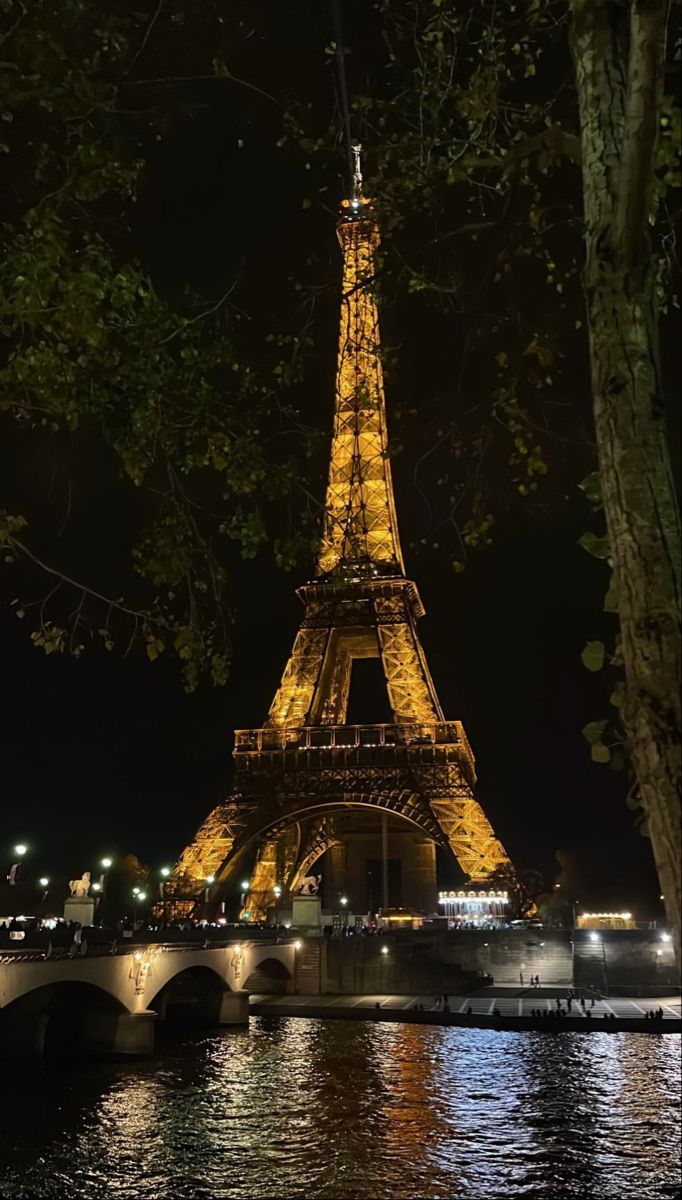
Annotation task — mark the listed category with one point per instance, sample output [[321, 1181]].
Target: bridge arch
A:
[[270, 976], [191, 993], [56, 1019]]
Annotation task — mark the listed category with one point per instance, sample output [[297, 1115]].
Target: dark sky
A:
[[103, 755]]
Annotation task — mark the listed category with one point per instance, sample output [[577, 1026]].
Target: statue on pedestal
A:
[[80, 887], [309, 885]]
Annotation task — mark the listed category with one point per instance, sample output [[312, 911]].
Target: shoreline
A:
[[278, 1007]]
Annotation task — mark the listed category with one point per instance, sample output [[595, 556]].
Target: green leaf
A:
[[600, 753], [592, 656], [155, 647], [593, 731], [590, 486], [595, 545]]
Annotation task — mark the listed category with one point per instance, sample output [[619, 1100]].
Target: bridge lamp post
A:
[[19, 851], [164, 873], [278, 892], [343, 901], [101, 886], [210, 879], [139, 896], [242, 899]]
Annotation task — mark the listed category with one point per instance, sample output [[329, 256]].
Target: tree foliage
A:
[[98, 363]]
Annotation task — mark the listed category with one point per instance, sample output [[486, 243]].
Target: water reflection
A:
[[344, 1109]]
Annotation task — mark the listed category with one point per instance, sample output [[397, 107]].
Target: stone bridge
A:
[[110, 1002]]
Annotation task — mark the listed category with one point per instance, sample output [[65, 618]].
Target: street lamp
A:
[[278, 892], [15, 868], [101, 885], [343, 901], [244, 885]]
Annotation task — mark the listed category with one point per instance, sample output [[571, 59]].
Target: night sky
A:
[[103, 755]]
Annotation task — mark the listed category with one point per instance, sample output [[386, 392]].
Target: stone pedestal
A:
[[234, 1008], [80, 909], [118, 1033], [306, 912]]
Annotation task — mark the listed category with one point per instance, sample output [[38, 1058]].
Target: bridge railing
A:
[[39, 946]]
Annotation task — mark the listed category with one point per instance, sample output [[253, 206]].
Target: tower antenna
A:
[[339, 55]]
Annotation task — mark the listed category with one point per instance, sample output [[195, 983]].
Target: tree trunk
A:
[[619, 55]]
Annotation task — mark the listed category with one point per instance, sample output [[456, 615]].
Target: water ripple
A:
[[353, 1111]]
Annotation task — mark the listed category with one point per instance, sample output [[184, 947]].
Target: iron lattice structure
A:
[[306, 763]]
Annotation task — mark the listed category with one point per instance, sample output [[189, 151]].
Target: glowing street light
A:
[[666, 937], [165, 872], [20, 850], [278, 892], [96, 887], [244, 885], [384, 949], [136, 891], [297, 945], [43, 881], [106, 863]]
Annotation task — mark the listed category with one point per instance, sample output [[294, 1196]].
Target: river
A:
[[343, 1109]]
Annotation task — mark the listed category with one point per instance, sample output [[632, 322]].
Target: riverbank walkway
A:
[[515, 1007]]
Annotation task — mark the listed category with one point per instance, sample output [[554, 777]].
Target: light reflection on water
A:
[[353, 1110]]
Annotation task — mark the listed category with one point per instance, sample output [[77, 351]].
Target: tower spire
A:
[[356, 197], [360, 525]]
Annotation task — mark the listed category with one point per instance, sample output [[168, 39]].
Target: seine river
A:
[[305, 1108]]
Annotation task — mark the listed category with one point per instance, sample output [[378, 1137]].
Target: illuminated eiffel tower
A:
[[305, 766]]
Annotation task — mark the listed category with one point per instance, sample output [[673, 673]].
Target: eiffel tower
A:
[[306, 765]]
